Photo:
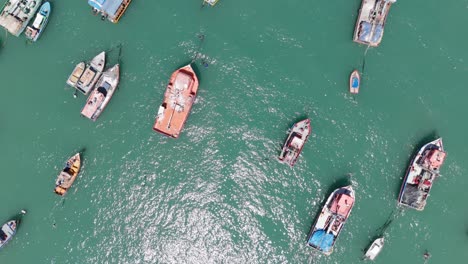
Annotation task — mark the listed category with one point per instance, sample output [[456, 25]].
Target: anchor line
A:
[[197, 53]]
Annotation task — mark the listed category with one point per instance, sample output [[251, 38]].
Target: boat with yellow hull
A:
[[68, 175]]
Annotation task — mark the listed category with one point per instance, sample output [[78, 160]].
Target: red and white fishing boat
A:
[[178, 100], [421, 173], [331, 220], [298, 136]]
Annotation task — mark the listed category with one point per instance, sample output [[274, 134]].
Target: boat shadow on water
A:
[[421, 142]]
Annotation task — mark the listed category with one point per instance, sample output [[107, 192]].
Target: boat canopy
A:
[[297, 142], [355, 83], [342, 204], [107, 6], [38, 21], [322, 240]]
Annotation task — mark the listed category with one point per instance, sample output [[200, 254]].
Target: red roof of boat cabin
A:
[[436, 158], [342, 204]]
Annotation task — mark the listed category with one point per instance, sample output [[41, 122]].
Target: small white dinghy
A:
[[374, 249]]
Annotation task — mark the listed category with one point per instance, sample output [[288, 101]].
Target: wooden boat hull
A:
[[292, 148], [354, 82], [91, 74], [42, 18], [419, 178], [178, 100], [68, 175], [329, 224], [76, 74], [101, 96]]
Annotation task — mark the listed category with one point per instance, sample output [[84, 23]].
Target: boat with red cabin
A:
[[421, 173], [178, 100], [331, 220], [292, 148]]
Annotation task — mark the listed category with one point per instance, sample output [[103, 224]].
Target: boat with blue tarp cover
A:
[[330, 222], [354, 82], [371, 21]]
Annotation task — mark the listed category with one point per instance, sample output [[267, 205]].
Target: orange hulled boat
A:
[[178, 100]]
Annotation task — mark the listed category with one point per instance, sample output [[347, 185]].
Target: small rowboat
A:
[[68, 175], [374, 249], [354, 82], [8, 230]]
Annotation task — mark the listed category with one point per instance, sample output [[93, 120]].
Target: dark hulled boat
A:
[[421, 173]]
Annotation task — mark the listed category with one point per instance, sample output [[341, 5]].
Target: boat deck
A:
[[16, 14], [370, 24], [178, 100]]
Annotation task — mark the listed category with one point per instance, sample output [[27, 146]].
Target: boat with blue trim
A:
[[331, 220], [34, 31]]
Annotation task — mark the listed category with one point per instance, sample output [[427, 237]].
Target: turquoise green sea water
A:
[[217, 194]]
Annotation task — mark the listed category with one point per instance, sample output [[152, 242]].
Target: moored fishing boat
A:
[[354, 82], [85, 76], [421, 173], [371, 21], [331, 220], [178, 100], [374, 249], [16, 14], [8, 230], [292, 148], [40, 22], [68, 175], [100, 97], [210, 2]]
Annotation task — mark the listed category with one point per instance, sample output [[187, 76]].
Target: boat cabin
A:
[[436, 159], [342, 205]]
